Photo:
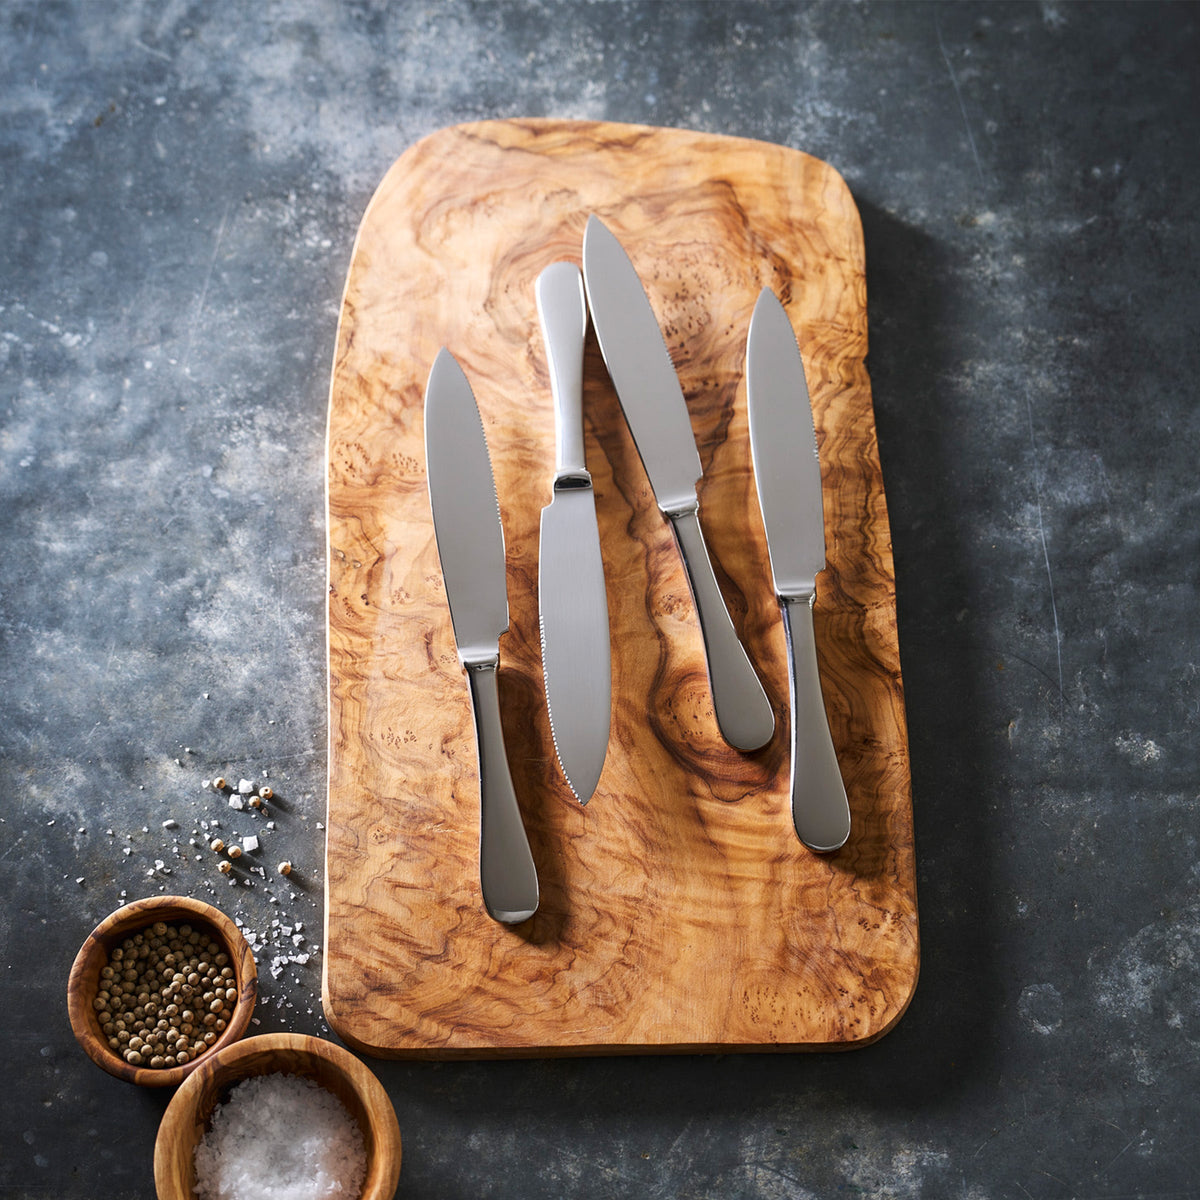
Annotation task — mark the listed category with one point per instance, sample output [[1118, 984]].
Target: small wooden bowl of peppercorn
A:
[[158, 987]]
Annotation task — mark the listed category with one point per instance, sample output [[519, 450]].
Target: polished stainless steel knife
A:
[[572, 604], [470, 543], [787, 470], [654, 407]]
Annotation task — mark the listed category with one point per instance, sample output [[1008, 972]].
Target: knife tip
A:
[[767, 299], [444, 363], [583, 790], [595, 230]]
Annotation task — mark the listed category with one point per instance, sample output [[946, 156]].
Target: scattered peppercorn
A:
[[216, 845], [151, 986], [284, 868], [265, 792]]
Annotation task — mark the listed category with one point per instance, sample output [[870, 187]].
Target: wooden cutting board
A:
[[679, 911]]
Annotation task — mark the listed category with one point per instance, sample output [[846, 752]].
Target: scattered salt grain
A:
[[280, 1137]]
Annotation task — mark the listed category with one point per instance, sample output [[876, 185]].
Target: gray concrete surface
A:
[[180, 185]]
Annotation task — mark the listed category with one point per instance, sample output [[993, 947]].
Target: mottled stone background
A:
[[180, 185]]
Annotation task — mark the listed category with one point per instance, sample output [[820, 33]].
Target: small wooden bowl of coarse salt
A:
[[276, 1115], [160, 985]]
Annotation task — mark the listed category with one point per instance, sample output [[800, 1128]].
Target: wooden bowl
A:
[[189, 1114], [84, 981]]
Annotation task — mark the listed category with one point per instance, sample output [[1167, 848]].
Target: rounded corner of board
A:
[[874, 1035]]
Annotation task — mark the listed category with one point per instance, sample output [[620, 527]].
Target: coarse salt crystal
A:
[[280, 1136]]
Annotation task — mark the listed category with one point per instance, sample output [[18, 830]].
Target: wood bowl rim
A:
[[187, 1116], [131, 918]]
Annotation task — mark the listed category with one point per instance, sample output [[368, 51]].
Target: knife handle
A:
[[507, 875], [820, 810], [743, 711], [562, 311]]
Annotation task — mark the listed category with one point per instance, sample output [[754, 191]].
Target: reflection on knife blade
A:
[[787, 471], [470, 544], [652, 400], [572, 605]]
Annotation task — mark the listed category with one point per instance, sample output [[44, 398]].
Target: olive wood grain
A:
[[679, 910]]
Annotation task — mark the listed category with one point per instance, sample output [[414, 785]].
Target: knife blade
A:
[[652, 400], [470, 545], [572, 603], [787, 471]]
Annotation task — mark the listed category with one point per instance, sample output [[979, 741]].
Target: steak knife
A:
[[470, 544], [648, 387], [572, 604], [787, 470]]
